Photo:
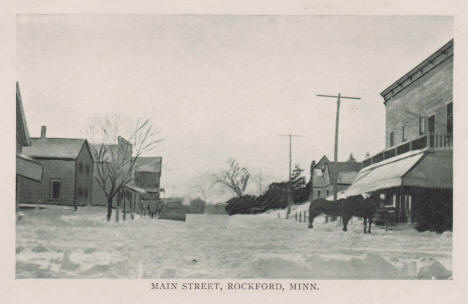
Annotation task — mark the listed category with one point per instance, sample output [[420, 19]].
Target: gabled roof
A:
[[321, 162], [148, 164], [54, 148], [335, 168], [22, 133]]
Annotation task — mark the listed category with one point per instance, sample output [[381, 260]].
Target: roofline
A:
[[53, 158], [316, 164], [19, 102], [59, 138], [419, 68], [126, 141]]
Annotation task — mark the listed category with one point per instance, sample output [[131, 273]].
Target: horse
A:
[[359, 205]]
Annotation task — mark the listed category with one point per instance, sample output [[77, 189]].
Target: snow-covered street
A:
[[59, 243]]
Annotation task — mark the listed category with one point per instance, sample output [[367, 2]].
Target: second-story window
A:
[[392, 139], [450, 118], [87, 169], [80, 167], [404, 133], [421, 125]]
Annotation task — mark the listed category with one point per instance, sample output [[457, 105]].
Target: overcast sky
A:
[[222, 86]]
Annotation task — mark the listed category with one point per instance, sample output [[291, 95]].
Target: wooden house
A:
[[26, 167], [67, 171], [325, 173]]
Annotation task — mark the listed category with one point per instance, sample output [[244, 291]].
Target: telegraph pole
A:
[[290, 150], [338, 103], [290, 197]]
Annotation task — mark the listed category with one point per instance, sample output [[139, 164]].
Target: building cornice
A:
[[420, 70]]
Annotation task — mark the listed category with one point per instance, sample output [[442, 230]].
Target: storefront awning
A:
[[27, 167], [420, 168]]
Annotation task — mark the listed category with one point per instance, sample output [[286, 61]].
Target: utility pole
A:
[[338, 103], [290, 196], [290, 151]]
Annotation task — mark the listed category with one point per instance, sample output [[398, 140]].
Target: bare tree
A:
[[204, 186], [115, 163], [235, 177]]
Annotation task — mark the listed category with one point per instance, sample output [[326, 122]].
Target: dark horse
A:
[[346, 208]]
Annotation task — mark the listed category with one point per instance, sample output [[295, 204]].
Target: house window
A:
[[318, 193], [392, 140], [450, 118], [55, 189], [421, 125], [80, 167], [404, 133], [87, 169], [327, 192], [85, 193], [80, 192]]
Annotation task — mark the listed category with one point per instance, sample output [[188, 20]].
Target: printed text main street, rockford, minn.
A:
[[302, 286]]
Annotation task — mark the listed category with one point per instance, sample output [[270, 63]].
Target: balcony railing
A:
[[432, 141]]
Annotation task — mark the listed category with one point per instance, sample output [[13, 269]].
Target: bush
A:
[[276, 197], [435, 216]]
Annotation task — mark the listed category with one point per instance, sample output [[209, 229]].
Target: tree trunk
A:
[[132, 205], [119, 198], [141, 206], [109, 208], [124, 217]]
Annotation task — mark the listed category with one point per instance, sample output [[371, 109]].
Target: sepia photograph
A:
[[234, 147]]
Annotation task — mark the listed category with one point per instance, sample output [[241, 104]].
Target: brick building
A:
[[415, 171], [67, 171], [326, 172]]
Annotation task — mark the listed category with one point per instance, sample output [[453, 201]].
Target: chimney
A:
[[43, 132]]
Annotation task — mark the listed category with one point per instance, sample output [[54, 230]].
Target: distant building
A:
[[67, 171], [326, 172], [148, 175], [26, 167], [415, 171], [142, 193]]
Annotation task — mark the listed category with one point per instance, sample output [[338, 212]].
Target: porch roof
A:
[[28, 167], [131, 186], [423, 168]]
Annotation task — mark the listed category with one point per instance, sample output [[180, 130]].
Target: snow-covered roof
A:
[[55, 148], [149, 164]]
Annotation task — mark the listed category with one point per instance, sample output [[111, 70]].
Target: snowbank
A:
[[61, 243]]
